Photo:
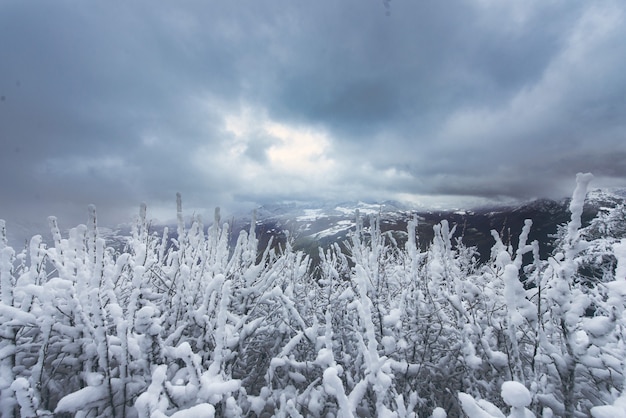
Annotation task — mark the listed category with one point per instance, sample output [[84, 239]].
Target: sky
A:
[[243, 103]]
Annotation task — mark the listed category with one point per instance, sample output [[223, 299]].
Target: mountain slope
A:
[[313, 226]]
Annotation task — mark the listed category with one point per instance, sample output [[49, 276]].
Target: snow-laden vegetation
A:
[[191, 327]]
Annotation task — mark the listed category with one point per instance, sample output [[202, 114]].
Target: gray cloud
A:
[[231, 104]]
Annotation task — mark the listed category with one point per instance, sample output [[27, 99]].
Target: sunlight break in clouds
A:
[[270, 156], [301, 151]]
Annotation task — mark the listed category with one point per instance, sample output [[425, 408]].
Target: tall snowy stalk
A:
[[566, 303], [8, 333]]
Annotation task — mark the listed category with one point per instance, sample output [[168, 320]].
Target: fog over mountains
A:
[[310, 226]]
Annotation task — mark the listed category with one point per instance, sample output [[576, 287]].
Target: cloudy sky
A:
[[239, 103]]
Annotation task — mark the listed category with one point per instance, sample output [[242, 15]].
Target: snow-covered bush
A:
[[185, 324]]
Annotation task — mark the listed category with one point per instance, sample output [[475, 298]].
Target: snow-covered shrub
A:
[[184, 324]]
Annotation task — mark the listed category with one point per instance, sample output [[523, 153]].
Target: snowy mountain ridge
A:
[[310, 225]]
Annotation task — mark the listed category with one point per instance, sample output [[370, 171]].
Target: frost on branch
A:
[[518, 398]]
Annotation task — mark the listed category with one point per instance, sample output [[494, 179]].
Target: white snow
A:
[[518, 398], [340, 226], [76, 401], [578, 201], [617, 410], [515, 394], [598, 326], [439, 413], [364, 209], [203, 410], [473, 410], [619, 249], [310, 215], [24, 396]]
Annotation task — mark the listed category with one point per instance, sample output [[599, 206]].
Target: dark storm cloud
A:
[[117, 103]]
